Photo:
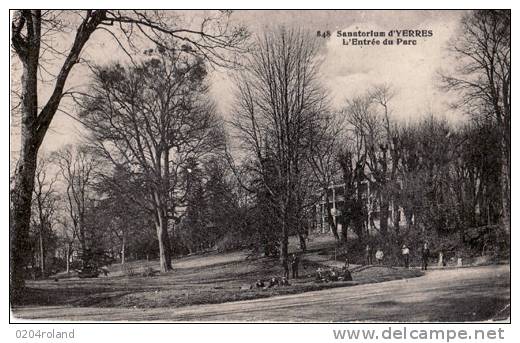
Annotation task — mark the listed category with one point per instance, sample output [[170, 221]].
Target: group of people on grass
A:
[[405, 253], [294, 261], [273, 282], [344, 274], [322, 274], [333, 274]]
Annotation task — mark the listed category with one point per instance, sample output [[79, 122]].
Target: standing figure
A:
[[285, 262], [406, 256], [368, 254], [346, 275], [294, 265], [441, 262], [425, 255], [379, 256], [319, 276]]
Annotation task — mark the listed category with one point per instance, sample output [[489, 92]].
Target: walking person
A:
[[368, 254], [406, 256], [379, 256], [295, 260], [425, 255]]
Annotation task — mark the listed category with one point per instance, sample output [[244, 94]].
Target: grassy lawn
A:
[[204, 279]]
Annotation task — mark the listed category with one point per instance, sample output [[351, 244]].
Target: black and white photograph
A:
[[259, 166]]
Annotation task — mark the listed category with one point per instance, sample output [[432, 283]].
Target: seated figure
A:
[[273, 282]]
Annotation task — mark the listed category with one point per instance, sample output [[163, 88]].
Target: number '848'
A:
[[323, 34]]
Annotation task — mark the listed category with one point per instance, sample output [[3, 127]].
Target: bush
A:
[[228, 243]]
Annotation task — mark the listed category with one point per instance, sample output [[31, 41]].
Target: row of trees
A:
[[87, 215], [441, 176]]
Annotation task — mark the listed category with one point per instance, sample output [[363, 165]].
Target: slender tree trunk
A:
[[284, 249], [284, 244], [123, 247], [161, 213], [330, 218], [396, 216], [506, 187], [383, 215], [161, 225], [345, 220], [42, 251], [371, 225], [360, 212], [303, 243], [83, 244], [67, 253], [408, 214]]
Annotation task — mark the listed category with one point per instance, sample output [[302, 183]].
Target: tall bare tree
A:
[[382, 95], [33, 34], [45, 203], [156, 119], [279, 100], [78, 168], [369, 117]]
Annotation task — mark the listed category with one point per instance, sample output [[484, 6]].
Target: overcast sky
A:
[[350, 70], [346, 71]]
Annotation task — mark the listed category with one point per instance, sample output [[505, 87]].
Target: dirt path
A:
[[468, 294]]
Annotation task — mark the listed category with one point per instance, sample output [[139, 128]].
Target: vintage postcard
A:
[[254, 166]]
